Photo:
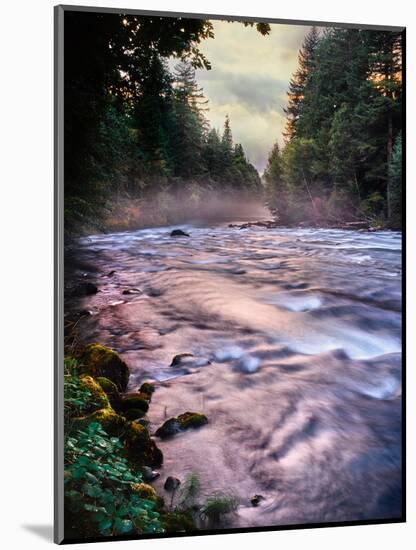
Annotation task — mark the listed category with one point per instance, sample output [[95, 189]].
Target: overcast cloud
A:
[[248, 81]]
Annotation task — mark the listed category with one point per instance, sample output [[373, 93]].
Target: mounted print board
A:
[[229, 211]]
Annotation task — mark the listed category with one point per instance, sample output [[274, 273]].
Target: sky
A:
[[248, 81]]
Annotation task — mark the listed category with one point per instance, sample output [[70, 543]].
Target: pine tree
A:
[[299, 80], [227, 141], [189, 126]]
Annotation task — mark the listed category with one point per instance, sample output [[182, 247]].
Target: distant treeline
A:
[[343, 149], [136, 126]]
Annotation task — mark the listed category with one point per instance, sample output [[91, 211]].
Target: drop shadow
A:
[[44, 532]]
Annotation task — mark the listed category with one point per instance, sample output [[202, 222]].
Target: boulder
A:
[[147, 388], [171, 484], [141, 449], [111, 391], [183, 422], [134, 401], [192, 420], [100, 361], [168, 428]]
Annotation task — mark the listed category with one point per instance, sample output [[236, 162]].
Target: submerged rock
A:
[[183, 422], [179, 233], [100, 361]]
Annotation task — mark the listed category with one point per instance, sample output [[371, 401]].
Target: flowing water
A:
[[295, 336]]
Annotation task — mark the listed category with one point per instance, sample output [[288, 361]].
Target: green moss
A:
[[183, 422], [134, 401], [98, 399], [192, 420], [145, 491], [147, 388], [141, 449], [174, 522], [111, 391], [113, 423], [100, 361]]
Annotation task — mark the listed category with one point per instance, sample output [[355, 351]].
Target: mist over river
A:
[[295, 336]]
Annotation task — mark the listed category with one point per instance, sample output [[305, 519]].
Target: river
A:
[[295, 336]]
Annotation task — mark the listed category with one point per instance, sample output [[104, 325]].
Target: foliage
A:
[[98, 483], [189, 491], [217, 507], [396, 183], [132, 125], [343, 116], [78, 399]]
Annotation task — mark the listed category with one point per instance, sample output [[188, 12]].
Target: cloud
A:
[[248, 81]]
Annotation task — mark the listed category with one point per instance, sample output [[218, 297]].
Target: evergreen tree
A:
[[227, 141], [297, 85]]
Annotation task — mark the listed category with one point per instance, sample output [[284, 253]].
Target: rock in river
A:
[[179, 233], [183, 422]]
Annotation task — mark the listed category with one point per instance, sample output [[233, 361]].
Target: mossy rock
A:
[[100, 361], [134, 414], [112, 423], [146, 491], [134, 401], [98, 399], [147, 388], [192, 420], [111, 391], [181, 423], [175, 522], [141, 449]]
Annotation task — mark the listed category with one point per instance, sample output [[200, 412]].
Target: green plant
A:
[[190, 491], [98, 484], [217, 506], [78, 399]]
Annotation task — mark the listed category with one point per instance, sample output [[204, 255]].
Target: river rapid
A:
[[295, 336]]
